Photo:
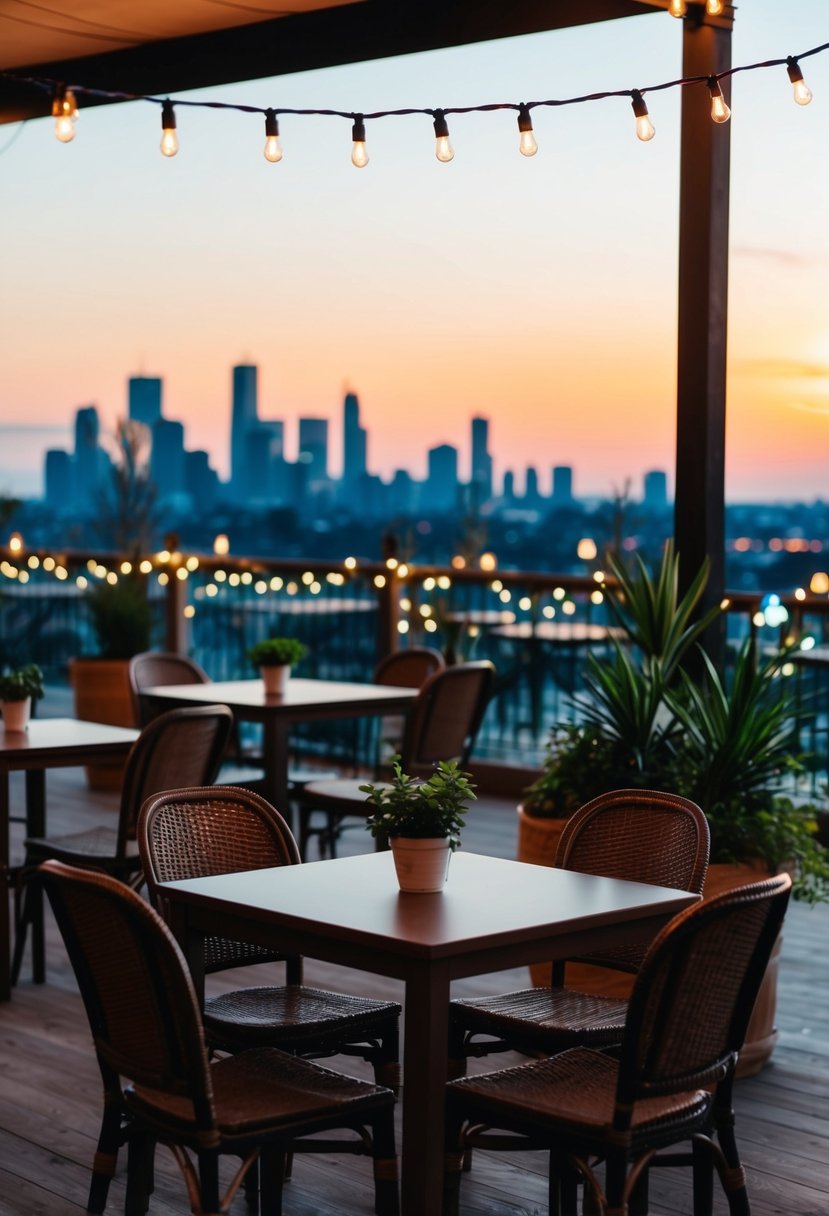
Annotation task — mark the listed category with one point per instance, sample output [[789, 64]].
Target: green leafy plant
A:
[[420, 809], [22, 683], [121, 617], [277, 652]]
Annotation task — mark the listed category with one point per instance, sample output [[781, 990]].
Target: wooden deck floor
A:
[[49, 1085]]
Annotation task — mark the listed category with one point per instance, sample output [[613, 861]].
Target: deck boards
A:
[[50, 1089]]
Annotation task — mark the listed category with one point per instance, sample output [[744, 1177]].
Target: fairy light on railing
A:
[[64, 106]]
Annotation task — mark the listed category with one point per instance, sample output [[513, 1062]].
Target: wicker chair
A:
[[219, 830], [147, 1030], [639, 835], [672, 1081], [181, 746], [155, 668], [441, 725]]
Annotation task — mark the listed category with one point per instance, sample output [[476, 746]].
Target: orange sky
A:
[[540, 293]]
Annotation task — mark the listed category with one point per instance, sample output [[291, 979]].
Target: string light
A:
[[714, 8], [645, 129], [802, 92], [677, 8], [526, 141], [443, 149], [719, 110], [359, 155], [169, 138], [273, 148], [65, 113]]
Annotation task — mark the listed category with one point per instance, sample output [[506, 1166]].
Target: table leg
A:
[[424, 1083], [36, 826], [275, 742], [5, 953]]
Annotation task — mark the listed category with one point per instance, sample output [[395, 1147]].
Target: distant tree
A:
[[8, 509], [127, 515]]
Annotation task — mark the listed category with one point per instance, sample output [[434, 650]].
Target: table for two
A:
[[492, 915]]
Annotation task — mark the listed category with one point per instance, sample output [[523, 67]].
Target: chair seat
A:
[[575, 1092], [293, 1014], [550, 1019], [262, 1090], [96, 844], [324, 794]]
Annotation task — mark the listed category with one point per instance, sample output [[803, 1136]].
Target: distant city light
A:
[[221, 545], [586, 549], [819, 583]]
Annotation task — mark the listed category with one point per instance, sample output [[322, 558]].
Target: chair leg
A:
[[140, 1153], [28, 910], [639, 1196], [386, 1185], [452, 1165], [703, 1176], [209, 1181], [106, 1154], [386, 1059], [271, 1177]]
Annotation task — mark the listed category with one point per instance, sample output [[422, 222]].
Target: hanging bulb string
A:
[[48, 84]]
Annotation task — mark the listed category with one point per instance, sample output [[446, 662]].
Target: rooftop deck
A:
[[50, 1091]]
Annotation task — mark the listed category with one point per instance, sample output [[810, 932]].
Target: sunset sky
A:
[[538, 292]]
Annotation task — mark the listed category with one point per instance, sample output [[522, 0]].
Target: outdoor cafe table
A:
[[46, 743], [492, 915], [302, 701]]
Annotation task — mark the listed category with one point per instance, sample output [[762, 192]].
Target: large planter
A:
[[421, 865], [102, 694], [16, 714]]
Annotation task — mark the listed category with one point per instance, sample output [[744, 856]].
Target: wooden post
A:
[[699, 511]]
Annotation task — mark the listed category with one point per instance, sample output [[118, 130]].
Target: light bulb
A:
[[719, 110], [169, 138], [70, 105], [273, 148], [677, 8], [443, 149], [64, 129], [645, 129], [359, 155], [65, 113], [802, 92], [714, 7], [526, 140]]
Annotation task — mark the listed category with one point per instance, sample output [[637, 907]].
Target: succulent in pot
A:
[[421, 819], [275, 657], [18, 688]]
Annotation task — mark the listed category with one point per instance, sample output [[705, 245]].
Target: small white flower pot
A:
[[421, 865], [275, 679], [16, 714]]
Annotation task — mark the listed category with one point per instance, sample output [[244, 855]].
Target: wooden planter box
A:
[[102, 694]]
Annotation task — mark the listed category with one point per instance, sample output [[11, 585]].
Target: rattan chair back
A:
[[198, 832], [138, 994], [695, 992], [446, 716], [641, 836], [180, 747], [408, 668], [155, 668]]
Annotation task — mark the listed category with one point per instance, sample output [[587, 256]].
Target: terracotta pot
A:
[[421, 865], [761, 1035], [275, 678], [16, 714], [102, 694]]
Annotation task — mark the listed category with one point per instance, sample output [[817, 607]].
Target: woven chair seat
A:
[[96, 842], [576, 1091], [266, 1088], [539, 1016], [293, 1013]]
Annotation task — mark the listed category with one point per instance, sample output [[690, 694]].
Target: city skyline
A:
[[495, 286]]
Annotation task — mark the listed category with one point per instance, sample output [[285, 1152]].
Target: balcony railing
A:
[[538, 628]]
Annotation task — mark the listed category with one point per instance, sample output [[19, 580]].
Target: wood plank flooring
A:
[[50, 1089]]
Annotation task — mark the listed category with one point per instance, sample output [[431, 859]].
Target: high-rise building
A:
[[167, 459], [144, 399], [562, 485], [656, 490], [313, 448], [58, 486], [442, 479], [200, 481], [354, 441], [532, 495], [244, 416], [88, 454], [481, 467], [508, 491]]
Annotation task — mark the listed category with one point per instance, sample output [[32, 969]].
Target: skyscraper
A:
[[88, 454], [244, 416], [354, 441], [562, 485], [481, 469], [144, 399], [167, 460], [656, 490], [442, 479], [313, 448]]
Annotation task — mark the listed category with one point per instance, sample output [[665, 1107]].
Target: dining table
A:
[[492, 915], [303, 700], [46, 743]]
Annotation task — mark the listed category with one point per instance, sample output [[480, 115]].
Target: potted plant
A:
[[18, 689], [275, 657], [421, 821], [725, 744]]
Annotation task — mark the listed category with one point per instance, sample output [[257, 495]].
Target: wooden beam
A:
[[699, 512], [373, 29]]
